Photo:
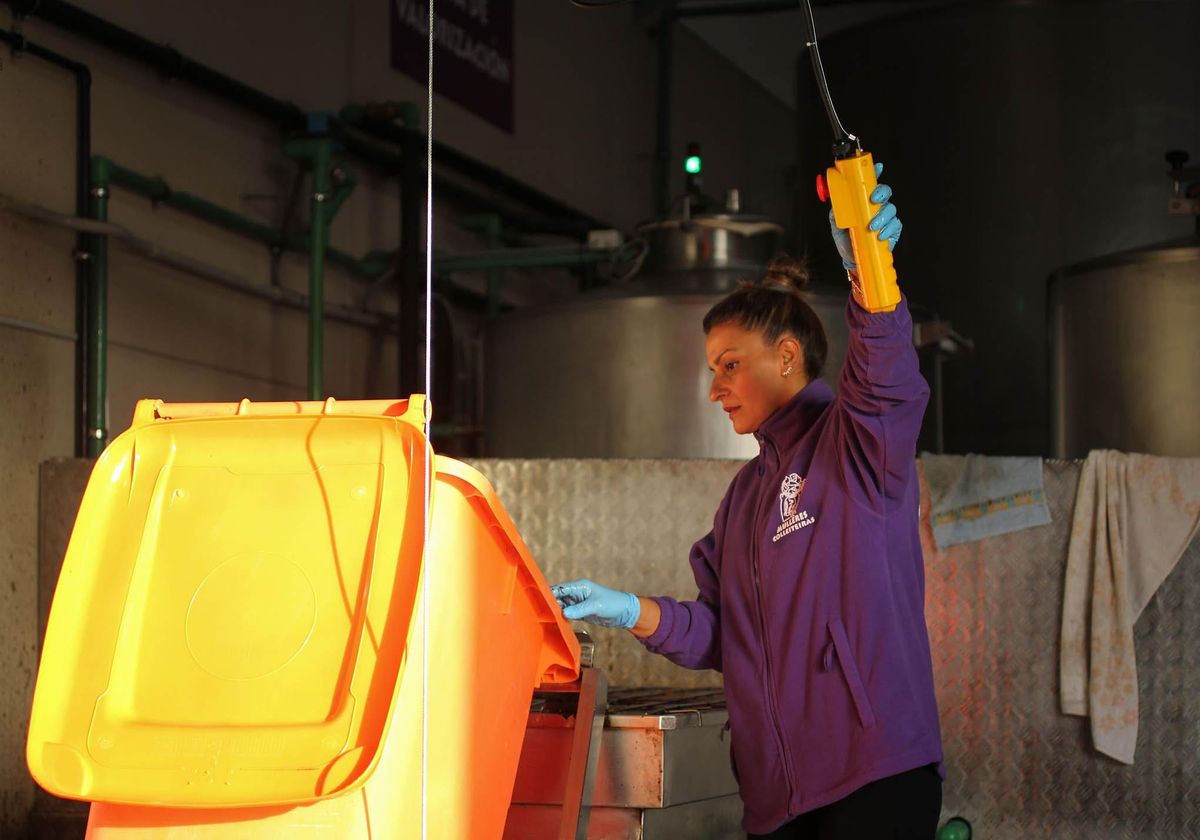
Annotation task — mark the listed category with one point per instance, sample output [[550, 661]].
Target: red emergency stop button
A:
[[822, 188]]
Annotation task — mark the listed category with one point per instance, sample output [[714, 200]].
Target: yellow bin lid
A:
[[234, 605]]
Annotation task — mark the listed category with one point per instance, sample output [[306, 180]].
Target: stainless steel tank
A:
[[1019, 137], [710, 252], [1125, 353], [616, 377]]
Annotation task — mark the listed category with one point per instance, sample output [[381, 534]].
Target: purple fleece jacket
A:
[[812, 589]]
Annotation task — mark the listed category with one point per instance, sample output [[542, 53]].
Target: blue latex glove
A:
[[884, 223], [583, 600]]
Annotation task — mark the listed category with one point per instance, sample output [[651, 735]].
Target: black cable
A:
[[844, 143]]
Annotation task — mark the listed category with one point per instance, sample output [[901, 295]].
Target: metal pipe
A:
[[159, 191], [493, 275], [371, 266], [317, 154], [485, 260], [97, 316], [488, 225], [83, 154], [580, 784], [379, 119], [166, 60], [316, 269], [274, 294], [287, 116], [388, 157]]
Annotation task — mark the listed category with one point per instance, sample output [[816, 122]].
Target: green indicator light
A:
[[692, 165]]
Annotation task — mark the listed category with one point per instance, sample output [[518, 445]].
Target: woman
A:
[[811, 581]]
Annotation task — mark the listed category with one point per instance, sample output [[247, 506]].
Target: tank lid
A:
[[1173, 250], [739, 223]]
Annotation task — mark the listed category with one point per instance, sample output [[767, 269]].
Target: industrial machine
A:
[[1124, 349], [1125, 352], [620, 372], [663, 770]]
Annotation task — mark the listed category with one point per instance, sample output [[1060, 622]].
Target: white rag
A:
[[1134, 517]]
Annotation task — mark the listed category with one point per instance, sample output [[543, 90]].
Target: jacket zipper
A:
[[772, 703]]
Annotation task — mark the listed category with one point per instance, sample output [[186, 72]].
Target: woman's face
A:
[[751, 379]]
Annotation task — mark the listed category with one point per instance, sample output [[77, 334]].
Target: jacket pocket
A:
[[728, 728], [858, 692]]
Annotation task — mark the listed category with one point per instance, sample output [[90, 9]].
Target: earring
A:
[[788, 372]]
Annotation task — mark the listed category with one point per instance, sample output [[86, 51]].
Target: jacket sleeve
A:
[[689, 632], [881, 400]]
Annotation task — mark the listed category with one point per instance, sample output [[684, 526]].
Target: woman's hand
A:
[[583, 600], [884, 223]]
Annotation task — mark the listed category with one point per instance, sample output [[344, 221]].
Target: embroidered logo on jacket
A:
[[789, 495], [789, 500]]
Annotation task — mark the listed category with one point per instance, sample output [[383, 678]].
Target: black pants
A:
[[902, 807]]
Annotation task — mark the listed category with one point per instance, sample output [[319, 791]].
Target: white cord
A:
[[428, 449]]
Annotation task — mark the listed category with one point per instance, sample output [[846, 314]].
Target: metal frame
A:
[[592, 687]]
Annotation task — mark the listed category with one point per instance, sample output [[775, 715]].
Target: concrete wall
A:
[[584, 133]]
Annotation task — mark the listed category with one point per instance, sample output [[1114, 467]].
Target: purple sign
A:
[[472, 52]]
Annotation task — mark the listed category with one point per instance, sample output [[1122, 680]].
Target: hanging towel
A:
[[1134, 517], [974, 496]]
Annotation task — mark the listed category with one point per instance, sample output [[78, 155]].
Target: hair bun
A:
[[787, 272]]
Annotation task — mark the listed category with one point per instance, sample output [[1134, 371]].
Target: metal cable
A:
[[428, 426]]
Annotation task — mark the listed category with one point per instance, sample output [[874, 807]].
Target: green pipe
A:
[[318, 152], [97, 318], [493, 275], [445, 430], [344, 184], [371, 267], [488, 224], [158, 190], [319, 235]]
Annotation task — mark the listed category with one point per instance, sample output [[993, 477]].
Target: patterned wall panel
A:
[[1017, 768], [628, 524]]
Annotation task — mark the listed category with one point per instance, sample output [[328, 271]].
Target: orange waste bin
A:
[[235, 644]]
